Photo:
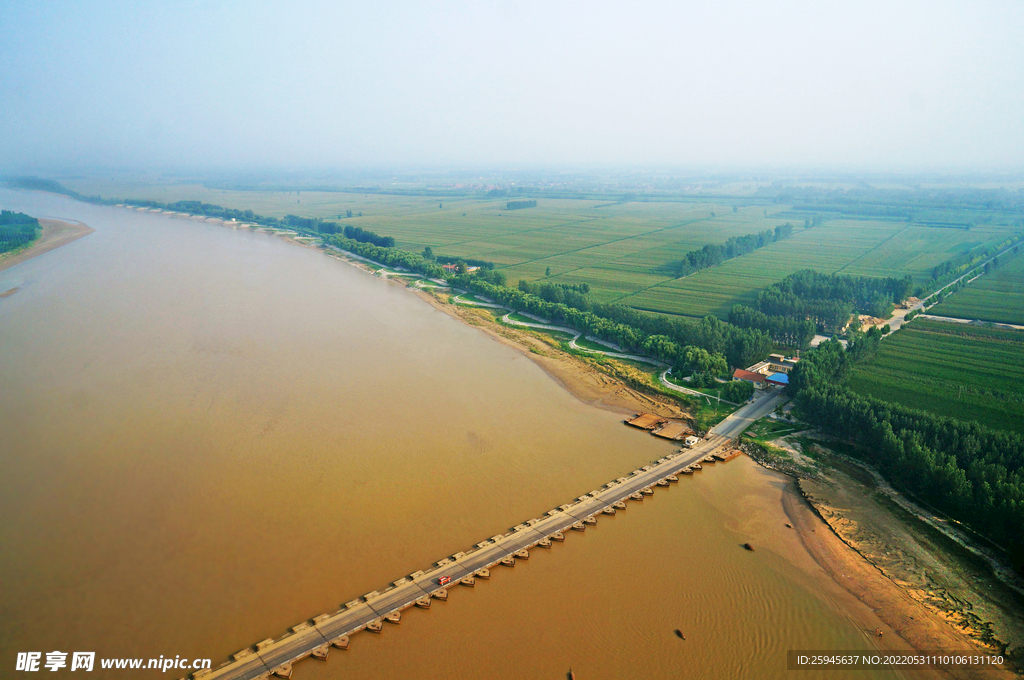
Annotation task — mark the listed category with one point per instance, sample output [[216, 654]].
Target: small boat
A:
[[508, 561], [523, 554], [394, 617], [619, 505], [591, 520], [558, 536], [647, 491], [374, 626], [570, 675], [468, 581], [321, 652], [578, 526], [544, 543], [341, 642], [748, 547], [423, 603], [679, 634]]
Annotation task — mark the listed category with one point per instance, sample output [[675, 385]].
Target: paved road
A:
[[743, 417], [403, 593], [953, 319]]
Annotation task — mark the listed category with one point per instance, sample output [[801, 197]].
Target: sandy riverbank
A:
[[55, 234]]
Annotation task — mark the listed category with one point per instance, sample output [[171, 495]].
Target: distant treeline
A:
[[829, 300], [711, 255], [16, 230], [519, 205], [974, 474]]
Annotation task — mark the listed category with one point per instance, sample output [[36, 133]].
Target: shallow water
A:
[[209, 435]]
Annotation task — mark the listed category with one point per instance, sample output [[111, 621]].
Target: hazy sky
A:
[[881, 85]]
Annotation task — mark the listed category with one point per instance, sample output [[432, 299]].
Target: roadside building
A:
[[778, 379], [758, 380]]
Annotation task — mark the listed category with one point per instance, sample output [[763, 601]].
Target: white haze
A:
[[879, 85]]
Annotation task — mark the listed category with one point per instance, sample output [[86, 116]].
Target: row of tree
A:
[[519, 205], [972, 473], [16, 230], [392, 257], [714, 254], [367, 236]]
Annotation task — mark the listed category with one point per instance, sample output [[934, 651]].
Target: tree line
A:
[[519, 205], [972, 473], [714, 254], [831, 299], [392, 257], [16, 230], [784, 330]]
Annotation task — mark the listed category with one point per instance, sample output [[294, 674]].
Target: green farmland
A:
[[997, 296], [626, 251], [966, 372]]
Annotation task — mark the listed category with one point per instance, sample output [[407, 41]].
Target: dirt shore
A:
[[926, 592], [55, 234]]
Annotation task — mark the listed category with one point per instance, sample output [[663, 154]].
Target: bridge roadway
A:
[[304, 638]]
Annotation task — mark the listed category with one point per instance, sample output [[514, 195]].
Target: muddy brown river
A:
[[208, 435]]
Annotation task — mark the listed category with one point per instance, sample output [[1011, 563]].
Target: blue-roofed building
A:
[[779, 379]]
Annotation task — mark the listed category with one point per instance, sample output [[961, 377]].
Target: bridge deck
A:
[[261, 662]]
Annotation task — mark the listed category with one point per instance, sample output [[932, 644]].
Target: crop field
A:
[[997, 296], [966, 372], [626, 251]]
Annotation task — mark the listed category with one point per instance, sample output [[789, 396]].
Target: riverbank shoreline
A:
[[55, 233]]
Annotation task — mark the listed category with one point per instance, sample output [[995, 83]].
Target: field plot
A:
[[627, 252], [966, 372], [915, 250], [997, 296], [828, 248]]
